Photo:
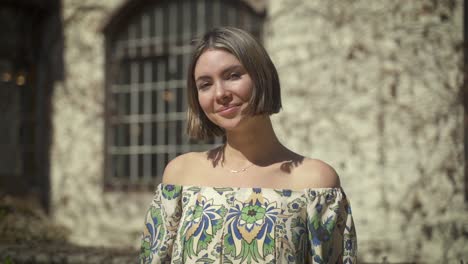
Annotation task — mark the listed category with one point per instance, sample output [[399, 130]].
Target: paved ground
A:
[[64, 253]]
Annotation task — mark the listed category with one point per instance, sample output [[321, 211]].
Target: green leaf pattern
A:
[[248, 225]]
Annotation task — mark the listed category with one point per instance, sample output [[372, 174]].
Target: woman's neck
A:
[[254, 143]]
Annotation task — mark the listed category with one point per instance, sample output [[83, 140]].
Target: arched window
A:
[[147, 55]]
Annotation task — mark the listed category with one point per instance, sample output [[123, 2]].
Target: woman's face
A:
[[224, 88]]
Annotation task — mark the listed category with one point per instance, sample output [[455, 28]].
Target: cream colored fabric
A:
[[189, 224]]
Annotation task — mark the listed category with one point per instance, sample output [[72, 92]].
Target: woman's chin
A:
[[228, 127], [231, 125], [237, 123]]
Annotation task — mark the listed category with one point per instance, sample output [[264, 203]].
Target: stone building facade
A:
[[371, 87], [380, 81]]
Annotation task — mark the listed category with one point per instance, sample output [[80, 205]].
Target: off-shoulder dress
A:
[[196, 224]]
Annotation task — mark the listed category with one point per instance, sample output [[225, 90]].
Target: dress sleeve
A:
[[161, 224], [332, 236]]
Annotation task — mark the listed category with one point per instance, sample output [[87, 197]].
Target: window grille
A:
[[146, 67]]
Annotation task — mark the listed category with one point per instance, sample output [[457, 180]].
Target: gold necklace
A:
[[240, 170]]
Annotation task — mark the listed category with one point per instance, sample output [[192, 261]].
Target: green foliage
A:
[[3, 212], [8, 260]]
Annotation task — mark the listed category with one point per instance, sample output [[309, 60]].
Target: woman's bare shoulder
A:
[[315, 173], [176, 171]]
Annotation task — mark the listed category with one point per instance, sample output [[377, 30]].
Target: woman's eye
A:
[[234, 76], [203, 86]]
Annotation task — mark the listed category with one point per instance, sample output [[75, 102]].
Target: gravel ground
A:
[[28, 236]]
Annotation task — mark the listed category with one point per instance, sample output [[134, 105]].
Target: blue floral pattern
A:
[[250, 227], [189, 224]]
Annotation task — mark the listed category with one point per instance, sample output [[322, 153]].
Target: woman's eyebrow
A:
[[202, 78], [232, 68], [223, 72]]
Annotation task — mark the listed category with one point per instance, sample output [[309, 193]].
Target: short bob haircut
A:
[[266, 96]]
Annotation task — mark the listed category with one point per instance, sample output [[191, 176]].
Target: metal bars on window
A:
[[146, 85]]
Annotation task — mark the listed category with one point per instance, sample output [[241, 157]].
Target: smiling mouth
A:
[[225, 108], [228, 110]]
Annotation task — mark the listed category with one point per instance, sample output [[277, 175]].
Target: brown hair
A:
[[266, 97]]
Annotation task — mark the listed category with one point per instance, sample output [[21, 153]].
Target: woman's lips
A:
[[228, 111]]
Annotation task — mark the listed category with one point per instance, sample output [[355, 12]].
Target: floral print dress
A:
[[190, 224]]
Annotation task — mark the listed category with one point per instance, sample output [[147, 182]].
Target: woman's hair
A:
[[266, 96]]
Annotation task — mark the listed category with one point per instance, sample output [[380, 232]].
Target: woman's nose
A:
[[222, 94]]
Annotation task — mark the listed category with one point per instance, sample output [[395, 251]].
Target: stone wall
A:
[[372, 87], [94, 217]]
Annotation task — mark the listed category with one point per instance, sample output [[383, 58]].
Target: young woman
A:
[[251, 200]]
